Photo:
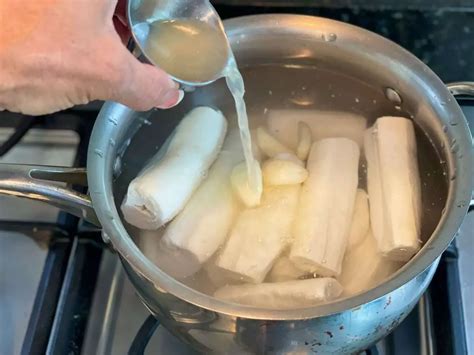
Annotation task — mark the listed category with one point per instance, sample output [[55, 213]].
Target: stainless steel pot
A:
[[206, 323]]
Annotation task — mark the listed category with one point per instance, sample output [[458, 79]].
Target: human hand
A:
[[55, 54]]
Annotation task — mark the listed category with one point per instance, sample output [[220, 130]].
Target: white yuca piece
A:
[[283, 125], [240, 183], [290, 157], [284, 270], [283, 172], [282, 295], [269, 145], [218, 277], [360, 219], [394, 187], [326, 205], [167, 260], [260, 235], [365, 267], [203, 225], [163, 188], [305, 140]]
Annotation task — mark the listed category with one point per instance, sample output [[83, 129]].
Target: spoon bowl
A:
[[142, 14]]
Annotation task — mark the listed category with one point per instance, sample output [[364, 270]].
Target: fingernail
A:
[[171, 99]]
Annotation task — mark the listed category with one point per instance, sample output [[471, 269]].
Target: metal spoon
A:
[[143, 12]]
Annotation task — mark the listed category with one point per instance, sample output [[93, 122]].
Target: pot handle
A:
[[46, 183], [463, 88]]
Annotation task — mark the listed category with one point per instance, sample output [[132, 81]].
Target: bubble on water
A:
[[374, 101], [270, 92], [357, 100], [303, 88], [393, 96], [333, 96], [265, 110], [398, 108]]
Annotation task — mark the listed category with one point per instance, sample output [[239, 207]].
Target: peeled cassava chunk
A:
[[283, 172], [282, 295], [326, 205], [170, 261], [269, 145], [283, 125], [260, 235], [290, 157], [365, 267], [284, 270], [394, 187], [204, 223], [241, 185], [162, 189], [360, 224]]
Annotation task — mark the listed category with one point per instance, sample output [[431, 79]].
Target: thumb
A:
[[142, 86]]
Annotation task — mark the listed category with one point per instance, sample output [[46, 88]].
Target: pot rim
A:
[[102, 154]]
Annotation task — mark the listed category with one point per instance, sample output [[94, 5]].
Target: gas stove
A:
[[64, 292]]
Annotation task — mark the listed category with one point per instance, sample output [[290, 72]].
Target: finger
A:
[[143, 86]]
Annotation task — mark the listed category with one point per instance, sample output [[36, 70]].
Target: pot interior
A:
[[292, 83]]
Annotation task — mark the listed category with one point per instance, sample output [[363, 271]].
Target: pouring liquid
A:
[[194, 51], [235, 83]]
